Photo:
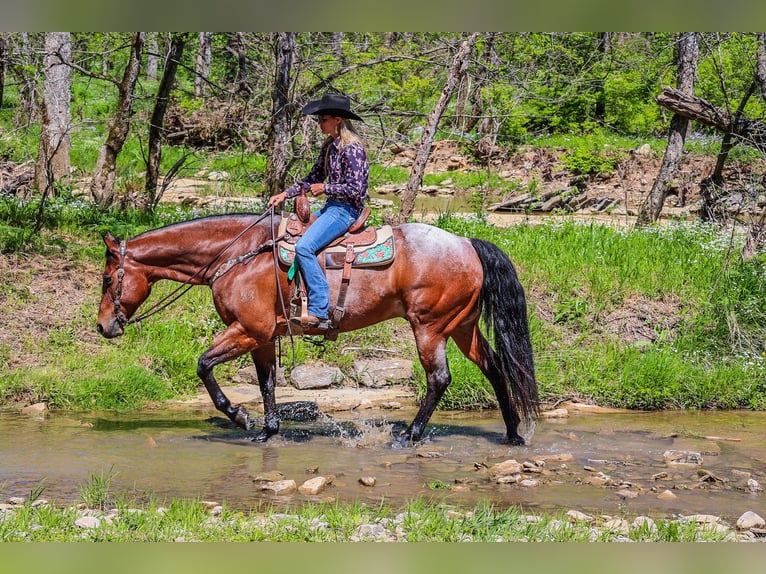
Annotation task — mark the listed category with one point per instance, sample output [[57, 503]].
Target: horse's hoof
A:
[[242, 419], [264, 435], [516, 440]]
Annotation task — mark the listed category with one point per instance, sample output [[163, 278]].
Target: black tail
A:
[[504, 310]]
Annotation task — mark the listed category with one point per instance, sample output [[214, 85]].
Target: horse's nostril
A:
[[100, 329]]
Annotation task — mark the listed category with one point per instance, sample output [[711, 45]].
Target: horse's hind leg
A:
[[266, 368], [433, 356], [473, 345], [229, 345]]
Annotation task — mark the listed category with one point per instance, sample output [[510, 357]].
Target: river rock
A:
[[315, 376], [682, 458], [35, 409], [280, 486], [577, 516], [313, 485], [530, 483], [666, 495], [367, 481], [645, 523], [378, 373], [750, 520], [269, 476], [505, 468], [87, 522]]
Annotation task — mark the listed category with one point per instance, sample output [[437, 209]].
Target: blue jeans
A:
[[334, 219]]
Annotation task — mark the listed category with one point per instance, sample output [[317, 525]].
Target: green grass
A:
[[420, 520]]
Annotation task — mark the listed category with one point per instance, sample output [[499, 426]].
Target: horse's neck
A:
[[191, 252]]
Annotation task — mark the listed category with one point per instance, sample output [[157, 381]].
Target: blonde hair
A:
[[348, 134]]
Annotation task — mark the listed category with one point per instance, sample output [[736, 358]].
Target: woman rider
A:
[[340, 172]]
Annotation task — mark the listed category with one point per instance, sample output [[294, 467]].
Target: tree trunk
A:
[[53, 153], [688, 55], [756, 231], [204, 58], [2, 67], [279, 130], [102, 183], [152, 55], [153, 195], [426, 143], [337, 47]]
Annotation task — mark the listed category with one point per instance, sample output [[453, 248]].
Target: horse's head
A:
[[124, 288]]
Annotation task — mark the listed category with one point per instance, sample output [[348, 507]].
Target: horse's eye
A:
[[107, 279]]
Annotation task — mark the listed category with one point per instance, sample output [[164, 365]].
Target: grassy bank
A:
[[666, 317], [418, 521]]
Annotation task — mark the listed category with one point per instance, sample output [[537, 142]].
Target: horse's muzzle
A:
[[111, 329]]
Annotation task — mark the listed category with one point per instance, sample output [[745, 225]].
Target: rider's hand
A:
[[277, 199], [317, 188]]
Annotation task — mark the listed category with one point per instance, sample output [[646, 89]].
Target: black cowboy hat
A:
[[331, 105]]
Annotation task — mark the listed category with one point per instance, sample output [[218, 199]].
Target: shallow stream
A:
[[192, 453]]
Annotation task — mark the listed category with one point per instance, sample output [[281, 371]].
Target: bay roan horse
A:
[[441, 283]]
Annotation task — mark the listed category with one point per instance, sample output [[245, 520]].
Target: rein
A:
[[185, 286]]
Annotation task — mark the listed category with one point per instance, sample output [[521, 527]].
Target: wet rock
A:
[[270, 476], [367, 481], [666, 495], [561, 457], [753, 486], [315, 376], [379, 373], [708, 477], [750, 520], [17, 501], [600, 479], [299, 411], [87, 522], [530, 483], [35, 409], [682, 458], [627, 494], [280, 486], [460, 488], [505, 468], [313, 485], [508, 479], [660, 475]]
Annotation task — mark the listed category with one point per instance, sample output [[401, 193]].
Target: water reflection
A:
[[192, 454]]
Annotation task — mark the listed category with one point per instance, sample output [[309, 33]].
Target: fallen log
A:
[[750, 132]]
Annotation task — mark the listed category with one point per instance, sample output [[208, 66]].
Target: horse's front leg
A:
[[229, 345], [265, 360]]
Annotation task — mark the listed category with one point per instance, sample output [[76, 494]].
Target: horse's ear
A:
[[111, 241]]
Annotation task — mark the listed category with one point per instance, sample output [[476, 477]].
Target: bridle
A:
[[181, 290], [118, 314]]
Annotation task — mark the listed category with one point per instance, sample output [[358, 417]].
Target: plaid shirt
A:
[[347, 172]]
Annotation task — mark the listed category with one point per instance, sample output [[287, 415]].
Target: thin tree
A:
[[3, 52], [53, 153], [152, 55], [102, 183], [456, 71], [687, 58], [204, 59], [153, 194], [756, 231], [279, 128]]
